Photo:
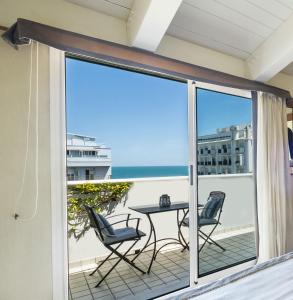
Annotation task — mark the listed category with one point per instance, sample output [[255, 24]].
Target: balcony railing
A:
[[171, 269]]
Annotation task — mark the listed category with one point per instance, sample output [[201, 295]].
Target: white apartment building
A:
[[228, 151], [87, 160]]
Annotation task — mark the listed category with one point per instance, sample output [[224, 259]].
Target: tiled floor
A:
[[170, 271]]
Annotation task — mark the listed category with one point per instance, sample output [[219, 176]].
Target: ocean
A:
[[150, 171]]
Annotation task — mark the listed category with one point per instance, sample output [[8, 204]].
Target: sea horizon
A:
[[120, 172]]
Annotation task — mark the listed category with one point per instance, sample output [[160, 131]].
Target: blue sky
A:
[[142, 118]]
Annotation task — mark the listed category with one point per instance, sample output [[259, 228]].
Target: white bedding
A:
[[270, 281]]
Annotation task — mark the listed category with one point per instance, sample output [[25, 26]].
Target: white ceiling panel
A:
[[205, 41], [273, 7], [288, 3], [235, 27], [115, 8], [225, 13], [254, 12]]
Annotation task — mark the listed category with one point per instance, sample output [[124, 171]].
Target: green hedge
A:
[[104, 197]]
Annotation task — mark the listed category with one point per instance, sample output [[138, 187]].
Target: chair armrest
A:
[[110, 217], [122, 221]]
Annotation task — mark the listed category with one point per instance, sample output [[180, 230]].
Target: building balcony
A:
[[88, 161], [170, 270]]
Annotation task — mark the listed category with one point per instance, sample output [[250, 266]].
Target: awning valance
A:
[[92, 48]]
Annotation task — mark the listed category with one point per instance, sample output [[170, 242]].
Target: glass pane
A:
[[226, 191], [127, 143]]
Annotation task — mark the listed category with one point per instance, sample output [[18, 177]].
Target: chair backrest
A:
[[99, 223], [213, 206]]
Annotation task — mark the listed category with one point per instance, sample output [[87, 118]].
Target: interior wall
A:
[[283, 81], [65, 15], [195, 54], [25, 252]]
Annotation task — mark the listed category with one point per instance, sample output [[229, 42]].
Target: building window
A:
[[89, 153], [70, 176], [89, 174], [74, 153]]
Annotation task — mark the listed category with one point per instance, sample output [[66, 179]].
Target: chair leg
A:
[[127, 260], [105, 276], [121, 257], [208, 238], [215, 243], [97, 268], [202, 237]]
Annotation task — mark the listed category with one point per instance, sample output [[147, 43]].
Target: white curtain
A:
[[272, 175]]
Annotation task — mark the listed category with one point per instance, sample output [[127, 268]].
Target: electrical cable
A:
[[24, 174]]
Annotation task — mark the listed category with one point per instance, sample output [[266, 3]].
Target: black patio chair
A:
[[114, 237], [210, 216]]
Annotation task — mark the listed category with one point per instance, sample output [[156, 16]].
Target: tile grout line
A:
[[88, 285]]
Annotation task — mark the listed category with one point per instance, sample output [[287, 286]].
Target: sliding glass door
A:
[[127, 155], [222, 186], [176, 157]]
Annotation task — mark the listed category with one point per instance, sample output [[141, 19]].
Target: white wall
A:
[[195, 54], [283, 81], [65, 15], [25, 251], [238, 210]]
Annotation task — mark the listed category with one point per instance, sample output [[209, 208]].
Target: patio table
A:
[[149, 210]]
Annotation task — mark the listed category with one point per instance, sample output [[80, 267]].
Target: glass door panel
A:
[[226, 186], [127, 146]]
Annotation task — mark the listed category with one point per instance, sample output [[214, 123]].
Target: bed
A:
[[270, 280]]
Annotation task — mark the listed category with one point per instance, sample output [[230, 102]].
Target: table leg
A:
[[180, 234], [155, 243], [147, 244]]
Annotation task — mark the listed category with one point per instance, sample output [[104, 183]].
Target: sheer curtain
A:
[[272, 175]]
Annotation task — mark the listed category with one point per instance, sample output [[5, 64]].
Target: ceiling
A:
[[233, 27], [115, 8]]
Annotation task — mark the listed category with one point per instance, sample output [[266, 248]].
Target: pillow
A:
[[211, 208], [105, 225]]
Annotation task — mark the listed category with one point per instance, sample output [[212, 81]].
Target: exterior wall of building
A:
[[95, 173], [86, 159], [229, 151]]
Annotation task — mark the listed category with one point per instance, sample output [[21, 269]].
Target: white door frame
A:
[[192, 138], [59, 182], [58, 175], [193, 186]]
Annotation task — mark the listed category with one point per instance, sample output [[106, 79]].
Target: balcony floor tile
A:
[[170, 271]]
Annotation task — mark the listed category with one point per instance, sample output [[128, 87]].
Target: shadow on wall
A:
[[103, 197]]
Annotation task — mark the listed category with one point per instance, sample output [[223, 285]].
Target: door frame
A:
[[59, 182], [58, 174], [193, 184]]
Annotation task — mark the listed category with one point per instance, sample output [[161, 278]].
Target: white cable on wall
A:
[[17, 215]]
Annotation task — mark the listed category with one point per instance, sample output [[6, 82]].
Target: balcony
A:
[[170, 270]]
